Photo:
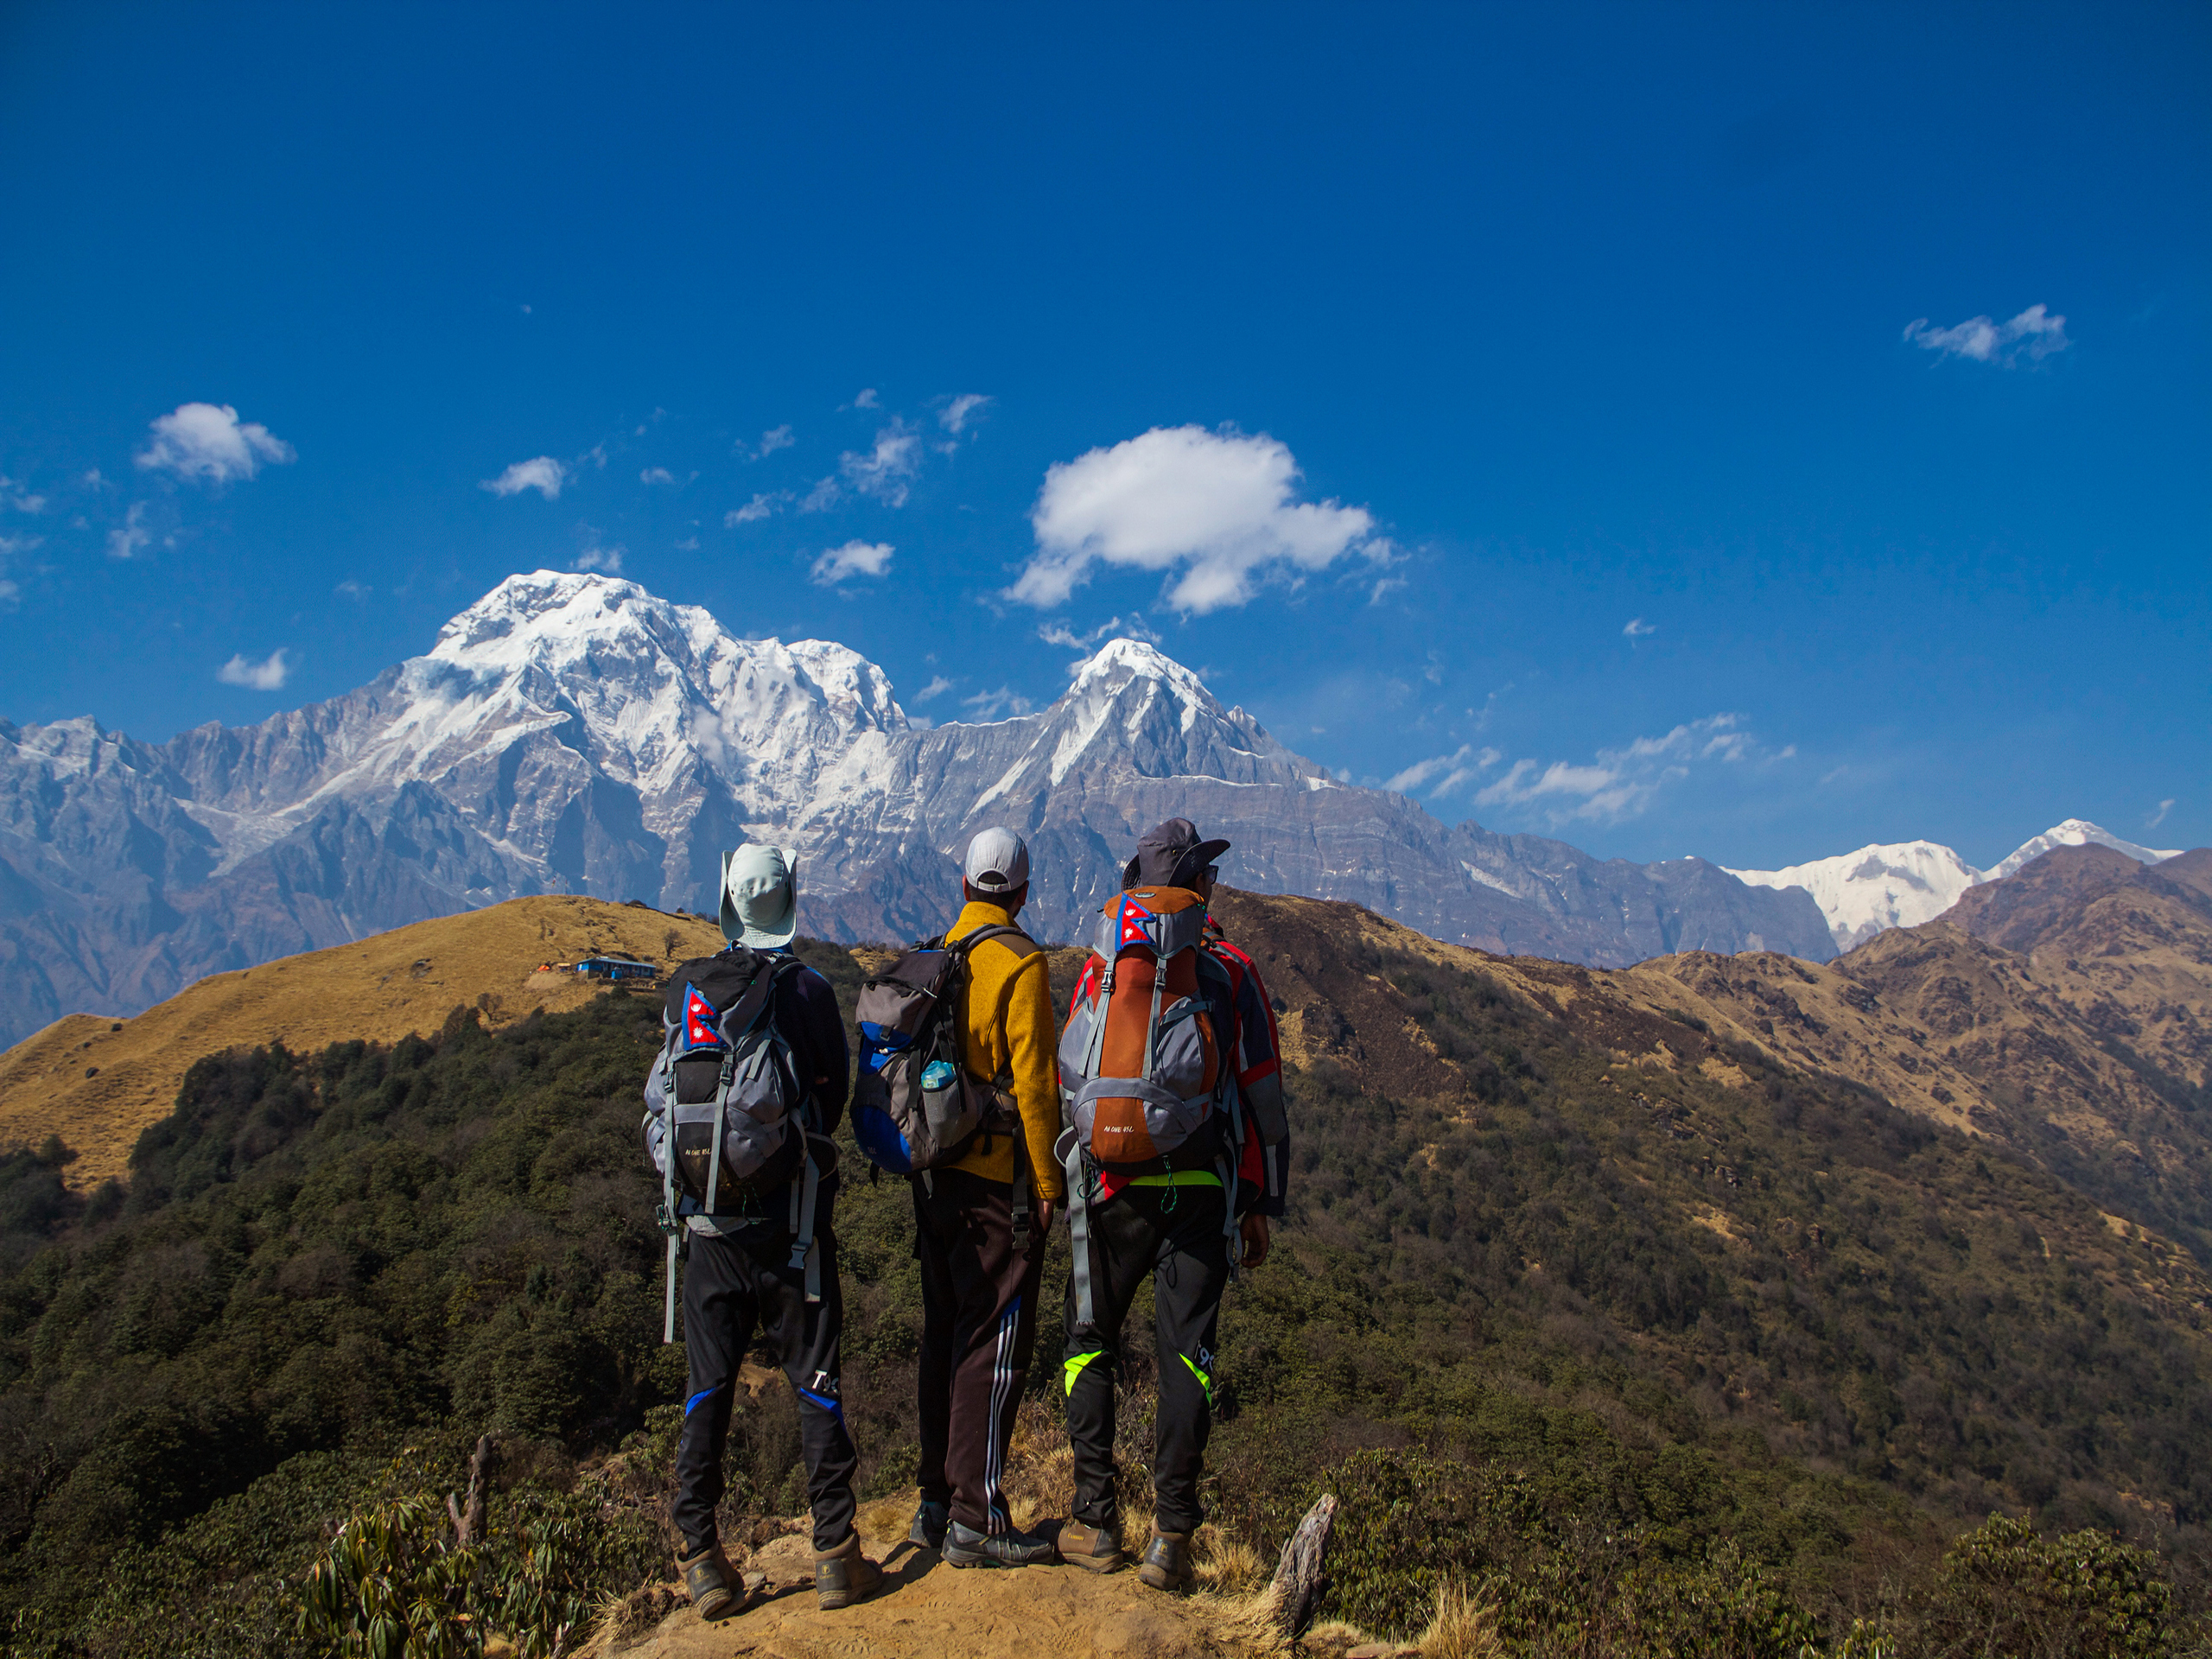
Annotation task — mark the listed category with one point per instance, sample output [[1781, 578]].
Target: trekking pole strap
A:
[[1070, 1151], [805, 1251], [668, 1225]]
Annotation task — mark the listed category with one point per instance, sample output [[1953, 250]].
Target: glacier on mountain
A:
[[1903, 884]]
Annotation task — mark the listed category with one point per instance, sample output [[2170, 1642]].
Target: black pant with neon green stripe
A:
[[1173, 1233]]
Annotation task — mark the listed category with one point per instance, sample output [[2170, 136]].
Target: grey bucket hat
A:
[[760, 896], [1171, 856]]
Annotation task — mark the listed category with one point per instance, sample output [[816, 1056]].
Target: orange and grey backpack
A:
[[1146, 1086]]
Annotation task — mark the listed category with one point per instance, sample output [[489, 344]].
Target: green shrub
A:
[[391, 1587], [2005, 1589]]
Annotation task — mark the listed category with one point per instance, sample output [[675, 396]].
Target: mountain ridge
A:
[[573, 733], [1902, 884]]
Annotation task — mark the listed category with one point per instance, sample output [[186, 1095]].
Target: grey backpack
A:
[[916, 1106], [724, 1106]]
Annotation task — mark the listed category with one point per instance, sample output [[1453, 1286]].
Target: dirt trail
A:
[[926, 1608]]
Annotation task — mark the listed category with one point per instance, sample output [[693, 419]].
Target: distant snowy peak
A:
[[560, 621], [1899, 884], [1119, 662], [2075, 832], [1906, 883]]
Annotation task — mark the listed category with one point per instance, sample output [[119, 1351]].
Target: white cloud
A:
[[656, 475], [853, 559], [1132, 627], [2034, 334], [93, 480], [540, 473], [11, 545], [935, 689], [775, 438], [209, 442], [755, 510], [1637, 628], [127, 537], [867, 399], [269, 675], [608, 559], [13, 494], [886, 470], [689, 545], [953, 417], [1621, 783], [351, 589], [1451, 771], [988, 705], [2159, 817], [1385, 588], [822, 497], [1216, 505]]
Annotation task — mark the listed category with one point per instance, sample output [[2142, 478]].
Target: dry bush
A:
[[624, 1621], [1461, 1627]]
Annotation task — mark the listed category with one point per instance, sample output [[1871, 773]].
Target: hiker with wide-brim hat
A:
[[753, 1073], [1172, 1172]]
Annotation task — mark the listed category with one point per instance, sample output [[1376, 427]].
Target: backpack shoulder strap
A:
[[1012, 938]]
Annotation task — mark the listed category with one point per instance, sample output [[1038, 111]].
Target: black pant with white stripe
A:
[[733, 1287], [979, 1323]]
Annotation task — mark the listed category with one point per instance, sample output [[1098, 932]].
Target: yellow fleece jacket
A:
[[1008, 1033]]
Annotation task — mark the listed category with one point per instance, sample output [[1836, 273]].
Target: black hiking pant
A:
[[979, 1326], [1173, 1233], [733, 1285]]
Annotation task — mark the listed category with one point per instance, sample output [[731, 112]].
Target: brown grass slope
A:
[[1334, 1011], [2065, 1013], [98, 1082]]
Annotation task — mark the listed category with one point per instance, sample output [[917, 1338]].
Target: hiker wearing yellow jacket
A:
[[980, 1226]]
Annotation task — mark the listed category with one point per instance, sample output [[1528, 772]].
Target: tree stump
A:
[[1300, 1580], [469, 1519]]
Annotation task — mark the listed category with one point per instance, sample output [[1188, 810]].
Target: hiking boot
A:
[[1095, 1549], [1166, 1564], [843, 1575], [965, 1547], [711, 1581], [930, 1520]]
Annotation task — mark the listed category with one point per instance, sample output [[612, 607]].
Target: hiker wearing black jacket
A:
[[1175, 1227], [750, 1265]]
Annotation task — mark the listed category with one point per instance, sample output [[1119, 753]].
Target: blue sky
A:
[[1578, 414]]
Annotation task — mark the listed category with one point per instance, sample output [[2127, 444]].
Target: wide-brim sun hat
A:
[[760, 896], [1171, 854]]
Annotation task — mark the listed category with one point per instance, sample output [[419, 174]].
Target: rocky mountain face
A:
[[1903, 884], [574, 734]]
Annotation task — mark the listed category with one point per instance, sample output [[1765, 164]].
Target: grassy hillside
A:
[[1637, 1328], [98, 1082]]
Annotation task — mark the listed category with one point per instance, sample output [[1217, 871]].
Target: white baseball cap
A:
[[998, 861], [760, 896]]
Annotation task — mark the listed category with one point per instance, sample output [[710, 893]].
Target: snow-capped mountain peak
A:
[[1897, 883], [2075, 832], [1118, 662], [1903, 884]]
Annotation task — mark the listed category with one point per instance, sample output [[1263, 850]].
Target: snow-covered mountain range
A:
[[573, 733], [1904, 883]]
